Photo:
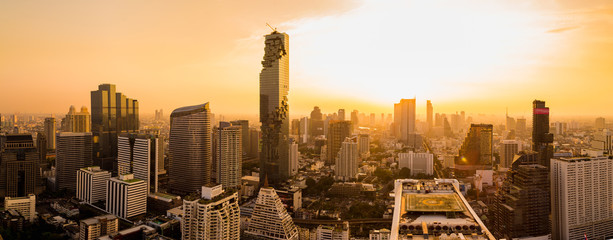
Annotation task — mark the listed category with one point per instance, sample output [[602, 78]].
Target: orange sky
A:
[[477, 56]]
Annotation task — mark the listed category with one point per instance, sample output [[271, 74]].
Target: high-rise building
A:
[[429, 112], [112, 113], [126, 196], [354, 119], [404, 119], [26, 206], [581, 196], [41, 147], [254, 142], [508, 149], [142, 155], [91, 184], [337, 132], [347, 160], [541, 138], [476, 150], [520, 126], [316, 125], [77, 121], [190, 149], [228, 154], [521, 207], [270, 219], [274, 108], [214, 215], [92, 228], [50, 132], [341, 115], [74, 151], [294, 154], [600, 123], [603, 141], [244, 125], [417, 162], [19, 166], [363, 144]]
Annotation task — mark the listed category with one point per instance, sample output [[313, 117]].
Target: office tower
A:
[[270, 219], [91, 184], [316, 125], [341, 115], [294, 154], [228, 154], [274, 108], [434, 209], [295, 127], [214, 215], [303, 132], [77, 121], [418, 163], [254, 142], [92, 228], [159, 115], [74, 151], [603, 141], [354, 119], [190, 149], [510, 122], [244, 125], [112, 113], [142, 155], [26, 206], [600, 123], [41, 147], [581, 196], [521, 207], [347, 160], [363, 143], [19, 166], [541, 138], [333, 232], [476, 150], [429, 112], [50, 132], [338, 131], [404, 119], [126, 196], [508, 149], [520, 126]]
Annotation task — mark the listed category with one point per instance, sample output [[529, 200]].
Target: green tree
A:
[[404, 173]]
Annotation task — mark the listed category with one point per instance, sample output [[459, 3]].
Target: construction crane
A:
[[273, 29]]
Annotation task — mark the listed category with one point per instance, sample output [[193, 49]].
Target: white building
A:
[[327, 232], [26, 206], [270, 219], [141, 155], [508, 149], [228, 155], [581, 197], [213, 215], [363, 144], [381, 234], [91, 184], [417, 162], [294, 155], [347, 161], [92, 228], [126, 196], [603, 141]]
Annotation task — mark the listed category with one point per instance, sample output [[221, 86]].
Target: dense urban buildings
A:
[[270, 219], [91, 184], [476, 152], [126, 196], [274, 108], [213, 215], [77, 121], [74, 151], [541, 138], [141, 155], [581, 196], [228, 154], [337, 133], [26, 206], [190, 149], [347, 160], [112, 113], [19, 166]]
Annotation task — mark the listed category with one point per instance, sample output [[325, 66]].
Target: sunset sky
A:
[[477, 56]]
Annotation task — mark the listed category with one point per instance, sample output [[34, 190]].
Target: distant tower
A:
[[50, 132], [190, 149], [341, 114], [508, 149], [228, 154], [429, 112], [347, 160], [74, 151], [270, 219], [294, 154], [476, 150], [77, 121], [316, 125], [339, 130], [541, 138], [274, 108], [404, 119]]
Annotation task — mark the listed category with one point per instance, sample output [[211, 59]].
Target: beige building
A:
[[228, 155], [26, 206], [270, 219], [77, 121], [213, 215], [347, 160], [92, 228]]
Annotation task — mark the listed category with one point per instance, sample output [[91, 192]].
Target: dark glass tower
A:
[[541, 138], [19, 166], [112, 113]]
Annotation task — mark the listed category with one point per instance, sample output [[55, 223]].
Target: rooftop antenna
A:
[[272, 28]]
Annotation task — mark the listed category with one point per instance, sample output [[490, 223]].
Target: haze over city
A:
[[479, 57]]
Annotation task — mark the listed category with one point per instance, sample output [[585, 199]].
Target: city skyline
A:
[[516, 51]]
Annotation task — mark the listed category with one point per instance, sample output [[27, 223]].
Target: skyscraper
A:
[[341, 115], [190, 149], [228, 154], [274, 108], [50, 132], [317, 123], [521, 207], [354, 119], [244, 125], [404, 119], [214, 215], [541, 138], [293, 157], [91, 184], [142, 155], [270, 219], [600, 123], [581, 196], [429, 112], [112, 113], [77, 121], [346, 164], [126, 196], [19, 166], [339, 130], [74, 151], [476, 150], [508, 149]]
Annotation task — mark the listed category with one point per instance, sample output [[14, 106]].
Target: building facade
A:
[[126, 196], [214, 215], [476, 151], [77, 121], [508, 149], [19, 166], [417, 162], [26, 206], [141, 155], [541, 138], [91, 184], [74, 151], [404, 119], [92, 228], [270, 219], [338, 131], [228, 154], [50, 132], [347, 160]]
